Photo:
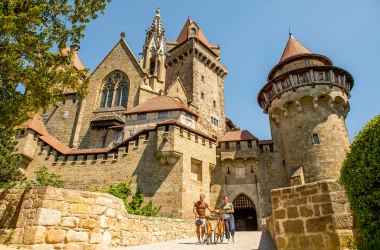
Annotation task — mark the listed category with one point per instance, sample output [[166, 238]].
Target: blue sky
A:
[[252, 35]]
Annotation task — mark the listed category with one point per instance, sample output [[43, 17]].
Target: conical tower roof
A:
[[183, 35], [294, 48]]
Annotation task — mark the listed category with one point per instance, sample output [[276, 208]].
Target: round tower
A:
[[306, 97]]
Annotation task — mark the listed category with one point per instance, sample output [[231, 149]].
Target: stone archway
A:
[[245, 213]]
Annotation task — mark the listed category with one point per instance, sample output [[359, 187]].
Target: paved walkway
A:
[[243, 240]]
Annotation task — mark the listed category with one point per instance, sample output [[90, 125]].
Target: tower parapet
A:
[[306, 97]]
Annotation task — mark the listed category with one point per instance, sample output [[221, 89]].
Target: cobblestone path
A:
[[243, 241]]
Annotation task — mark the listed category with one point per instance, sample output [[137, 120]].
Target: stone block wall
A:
[[311, 216], [56, 218]]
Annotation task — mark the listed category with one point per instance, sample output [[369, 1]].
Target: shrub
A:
[[123, 191], [44, 178], [360, 176]]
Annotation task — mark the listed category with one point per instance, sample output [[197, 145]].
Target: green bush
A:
[[44, 178], [360, 176], [123, 191]]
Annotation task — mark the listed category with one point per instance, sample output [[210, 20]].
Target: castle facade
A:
[[160, 122]]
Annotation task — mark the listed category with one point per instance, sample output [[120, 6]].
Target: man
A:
[[227, 209], [199, 210]]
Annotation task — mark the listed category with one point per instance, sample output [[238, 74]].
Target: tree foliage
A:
[[133, 206], [9, 160], [360, 176], [33, 70], [31, 33]]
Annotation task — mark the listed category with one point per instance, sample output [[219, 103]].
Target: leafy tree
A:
[[44, 178], [32, 73], [123, 191], [360, 176], [9, 160]]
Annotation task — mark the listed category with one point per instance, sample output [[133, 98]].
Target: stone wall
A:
[[311, 216], [163, 183], [55, 218]]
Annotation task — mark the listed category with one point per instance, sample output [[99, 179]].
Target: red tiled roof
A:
[[239, 135], [293, 48], [37, 125], [265, 142], [183, 35], [159, 103]]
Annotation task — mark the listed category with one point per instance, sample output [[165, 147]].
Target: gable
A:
[[176, 90]]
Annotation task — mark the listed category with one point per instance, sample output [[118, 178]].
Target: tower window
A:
[[152, 67], [227, 145], [202, 95], [249, 144], [203, 78], [238, 145], [214, 103], [316, 139]]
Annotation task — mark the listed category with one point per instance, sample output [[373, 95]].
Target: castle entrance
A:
[[245, 214]]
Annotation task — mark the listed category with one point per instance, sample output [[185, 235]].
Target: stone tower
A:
[[193, 61], [306, 97], [153, 55]]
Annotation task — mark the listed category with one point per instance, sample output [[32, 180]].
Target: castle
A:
[[160, 122]]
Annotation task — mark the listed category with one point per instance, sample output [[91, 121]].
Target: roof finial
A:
[[122, 34], [158, 11], [290, 33]]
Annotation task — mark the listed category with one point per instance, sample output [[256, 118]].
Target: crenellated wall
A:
[[157, 162], [56, 218], [252, 169]]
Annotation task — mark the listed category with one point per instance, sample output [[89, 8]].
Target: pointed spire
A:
[[157, 23], [293, 48]]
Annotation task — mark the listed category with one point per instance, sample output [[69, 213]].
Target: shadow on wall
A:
[[266, 242]]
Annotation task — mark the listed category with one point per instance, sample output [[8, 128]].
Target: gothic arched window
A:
[[115, 90]]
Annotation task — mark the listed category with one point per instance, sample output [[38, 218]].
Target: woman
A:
[[228, 209]]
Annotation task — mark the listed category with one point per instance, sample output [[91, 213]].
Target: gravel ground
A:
[[243, 241]]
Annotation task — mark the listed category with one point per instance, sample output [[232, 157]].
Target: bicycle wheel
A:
[[215, 238]]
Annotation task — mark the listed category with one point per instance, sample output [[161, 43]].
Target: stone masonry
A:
[[56, 218], [311, 216]]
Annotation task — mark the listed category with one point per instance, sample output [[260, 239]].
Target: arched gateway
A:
[[245, 213]]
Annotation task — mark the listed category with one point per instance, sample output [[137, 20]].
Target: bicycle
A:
[[219, 231]]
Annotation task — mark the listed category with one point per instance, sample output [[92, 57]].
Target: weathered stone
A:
[[72, 246], [343, 221], [42, 247], [318, 224], [107, 237], [279, 214], [327, 209], [80, 208], [89, 224], [34, 235], [292, 212], [305, 211], [70, 222], [317, 241], [293, 226], [47, 217], [103, 201], [54, 236], [99, 210], [73, 236], [96, 238]]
